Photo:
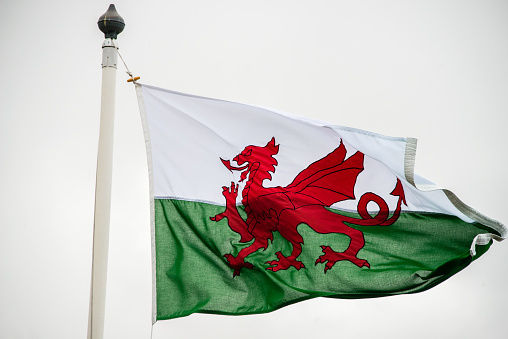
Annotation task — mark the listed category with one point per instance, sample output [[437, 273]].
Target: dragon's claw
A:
[[330, 257], [218, 217], [284, 263], [237, 263]]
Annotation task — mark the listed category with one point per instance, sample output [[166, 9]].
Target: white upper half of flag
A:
[[188, 135]]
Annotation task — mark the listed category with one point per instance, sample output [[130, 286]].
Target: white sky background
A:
[[434, 70]]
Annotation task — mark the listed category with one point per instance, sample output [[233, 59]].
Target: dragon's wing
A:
[[326, 181]]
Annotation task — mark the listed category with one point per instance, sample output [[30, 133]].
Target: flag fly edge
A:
[[411, 177], [148, 145], [483, 239]]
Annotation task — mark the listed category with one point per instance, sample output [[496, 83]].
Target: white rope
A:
[[127, 68]]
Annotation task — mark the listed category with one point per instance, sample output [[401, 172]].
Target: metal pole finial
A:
[[111, 23]]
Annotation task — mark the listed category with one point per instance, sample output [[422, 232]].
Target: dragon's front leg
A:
[[237, 263], [261, 236], [235, 221]]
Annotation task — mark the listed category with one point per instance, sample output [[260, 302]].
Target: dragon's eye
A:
[[247, 154]]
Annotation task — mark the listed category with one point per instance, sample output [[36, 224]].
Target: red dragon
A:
[[269, 209]]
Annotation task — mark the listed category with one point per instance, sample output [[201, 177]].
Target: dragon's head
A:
[[256, 158]]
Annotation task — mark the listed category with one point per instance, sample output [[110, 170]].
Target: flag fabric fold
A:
[[254, 209]]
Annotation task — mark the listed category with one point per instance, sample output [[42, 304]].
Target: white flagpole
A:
[[111, 24]]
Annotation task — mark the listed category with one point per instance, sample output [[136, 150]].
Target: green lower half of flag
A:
[[417, 252]]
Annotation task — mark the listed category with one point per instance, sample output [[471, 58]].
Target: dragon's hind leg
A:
[[286, 262], [331, 257], [325, 222], [287, 228]]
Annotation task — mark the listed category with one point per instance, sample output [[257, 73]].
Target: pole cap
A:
[[111, 23]]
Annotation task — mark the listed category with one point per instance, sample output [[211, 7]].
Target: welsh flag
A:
[[254, 209]]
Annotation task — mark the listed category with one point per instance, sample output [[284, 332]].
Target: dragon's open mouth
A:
[[250, 168], [230, 167]]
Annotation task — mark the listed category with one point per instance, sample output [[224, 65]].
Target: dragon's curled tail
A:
[[381, 218]]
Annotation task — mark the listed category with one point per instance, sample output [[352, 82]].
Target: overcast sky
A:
[[433, 70]]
